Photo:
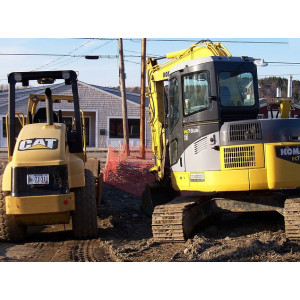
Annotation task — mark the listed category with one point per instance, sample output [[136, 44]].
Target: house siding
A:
[[97, 104]]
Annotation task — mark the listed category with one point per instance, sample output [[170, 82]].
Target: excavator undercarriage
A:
[[175, 220]]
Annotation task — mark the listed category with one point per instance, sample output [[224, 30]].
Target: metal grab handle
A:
[[21, 119]]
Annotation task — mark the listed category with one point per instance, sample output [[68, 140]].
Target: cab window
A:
[[195, 92], [236, 89], [174, 102]]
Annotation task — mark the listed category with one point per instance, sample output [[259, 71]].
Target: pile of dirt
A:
[[229, 237]]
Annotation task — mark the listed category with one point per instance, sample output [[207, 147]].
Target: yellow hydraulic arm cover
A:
[[285, 107], [157, 74]]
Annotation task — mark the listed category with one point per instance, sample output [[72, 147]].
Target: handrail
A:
[[22, 122]]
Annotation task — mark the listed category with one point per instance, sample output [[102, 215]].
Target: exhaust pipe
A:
[[49, 106]]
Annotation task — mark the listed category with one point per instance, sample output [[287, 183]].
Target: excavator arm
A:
[[157, 74]]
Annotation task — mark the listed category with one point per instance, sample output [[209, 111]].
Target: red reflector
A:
[[66, 202]]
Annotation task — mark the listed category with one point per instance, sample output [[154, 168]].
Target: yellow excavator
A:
[[212, 154]]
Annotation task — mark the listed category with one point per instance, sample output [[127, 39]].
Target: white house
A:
[[102, 108]]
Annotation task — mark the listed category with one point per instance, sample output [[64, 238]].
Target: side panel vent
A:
[[200, 145], [245, 132], [239, 157]]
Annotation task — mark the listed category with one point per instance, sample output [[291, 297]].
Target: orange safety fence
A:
[[129, 174]]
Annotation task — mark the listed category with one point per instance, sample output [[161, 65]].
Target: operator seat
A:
[[41, 116], [225, 96]]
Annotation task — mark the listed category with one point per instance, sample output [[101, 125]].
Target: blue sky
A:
[[105, 71]]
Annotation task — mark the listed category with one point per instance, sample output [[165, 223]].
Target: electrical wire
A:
[[93, 50], [214, 41], [72, 57], [218, 41], [65, 55], [72, 60], [195, 40], [148, 54], [89, 52], [113, 56], [133, 62], [61, 57], [67, 63]]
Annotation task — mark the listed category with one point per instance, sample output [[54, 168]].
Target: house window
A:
[[116, 128]]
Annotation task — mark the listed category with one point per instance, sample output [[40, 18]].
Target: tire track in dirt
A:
[[87, 251], [54, 246]]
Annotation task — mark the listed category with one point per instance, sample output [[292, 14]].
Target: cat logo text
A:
[[38, 144]]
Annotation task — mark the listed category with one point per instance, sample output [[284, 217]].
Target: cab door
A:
[[176, 150]]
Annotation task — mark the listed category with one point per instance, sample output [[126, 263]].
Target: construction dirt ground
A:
[[125, 235]]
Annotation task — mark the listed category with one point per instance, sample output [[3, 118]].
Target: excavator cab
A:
[[203, 95]]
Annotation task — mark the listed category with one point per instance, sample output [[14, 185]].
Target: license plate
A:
[[37, 179]]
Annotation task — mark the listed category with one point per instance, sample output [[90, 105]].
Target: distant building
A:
[[266, 111], [102, 108]]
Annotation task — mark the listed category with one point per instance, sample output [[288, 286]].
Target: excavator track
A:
[[174, 221], [292, 219], [167, 222]]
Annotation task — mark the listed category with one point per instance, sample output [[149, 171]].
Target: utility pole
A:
[[290, 87], [143, 90], [124, 103]]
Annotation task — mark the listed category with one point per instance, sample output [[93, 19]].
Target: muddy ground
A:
[[125, 235]]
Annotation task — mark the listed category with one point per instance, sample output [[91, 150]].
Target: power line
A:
[[148, 54], [70, 60], [220, 41], [34, 54], [61, 57], [64, 55], [133, 62], [66, 62], [98, 47], [91, 51], [195, 40], [111, 56]]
